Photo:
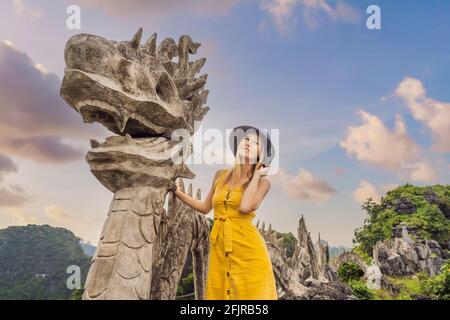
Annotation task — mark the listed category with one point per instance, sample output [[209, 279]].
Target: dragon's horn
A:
[[136, 38], [151, 44]]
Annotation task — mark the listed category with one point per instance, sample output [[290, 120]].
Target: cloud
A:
[[366, 190], [22, 9], [432, 113], [420, 171], [84, 226], [10, 198], [304, 186], [14, 196], [159, 7], [57, 214], [35, 119], [342, 12], [373, 143], [284, 14], [6, 166]]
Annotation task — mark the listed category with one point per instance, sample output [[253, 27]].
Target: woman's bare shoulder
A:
[[218, 174]]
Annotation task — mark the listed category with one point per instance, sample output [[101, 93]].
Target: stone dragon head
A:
[[139, 92], [135, 88]]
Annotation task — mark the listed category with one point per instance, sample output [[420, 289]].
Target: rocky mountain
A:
[[34, 261], [405, 241]]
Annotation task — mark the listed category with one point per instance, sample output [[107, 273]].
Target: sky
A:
[[358, 111]]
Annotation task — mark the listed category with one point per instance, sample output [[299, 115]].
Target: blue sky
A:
[[358, 111]]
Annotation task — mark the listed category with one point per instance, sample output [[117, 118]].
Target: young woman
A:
[[239, 265]]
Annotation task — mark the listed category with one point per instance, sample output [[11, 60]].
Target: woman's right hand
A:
[[175, 187]]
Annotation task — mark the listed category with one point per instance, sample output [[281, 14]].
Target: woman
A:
[[239, 265]]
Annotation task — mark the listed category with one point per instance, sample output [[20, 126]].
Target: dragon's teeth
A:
[[94, 144]]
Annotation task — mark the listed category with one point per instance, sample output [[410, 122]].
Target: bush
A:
[[350, 271], [438, 287], [360, 290]]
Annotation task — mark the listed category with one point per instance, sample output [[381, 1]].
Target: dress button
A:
[[228, 292], [226, 254], [228, 274]]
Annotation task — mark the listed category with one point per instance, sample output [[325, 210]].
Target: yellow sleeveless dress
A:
[[239, 266]]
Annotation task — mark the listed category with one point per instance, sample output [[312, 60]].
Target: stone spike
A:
[[167, 49], [150, 45], [94, 143], [199, 114], [194, 47], [273, 235], [263, 227], [185, 172], [200, 99], [257, 224], [279, 242], [270, 229], [136, 39], [190, 190], [182, 185], [198, 194], [196, 66]]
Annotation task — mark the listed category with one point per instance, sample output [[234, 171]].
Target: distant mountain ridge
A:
[[34, 260], [88, 248]]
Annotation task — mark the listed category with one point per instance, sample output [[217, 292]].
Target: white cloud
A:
[[159, 7], [366, 190], [57, 214], [432, 113], [34, 118], [86, 227], [374, 143], [420, 171], [12, 198], [304, 186], [22, 9], [284, 15]]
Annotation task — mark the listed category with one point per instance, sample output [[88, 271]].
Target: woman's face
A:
[[248, 149]]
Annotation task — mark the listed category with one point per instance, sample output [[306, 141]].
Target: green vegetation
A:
[[427, 219], [34, 259], [351, 274], [289, 242], [438, 287]]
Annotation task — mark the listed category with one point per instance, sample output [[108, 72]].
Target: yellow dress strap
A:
[[221, 176]]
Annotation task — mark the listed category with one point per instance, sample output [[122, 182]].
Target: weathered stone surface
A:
[[305, 275], [403, 256], [139, 93], [135, 88]]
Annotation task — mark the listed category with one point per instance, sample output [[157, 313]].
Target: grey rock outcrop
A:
[[403, 256], [306, 274]]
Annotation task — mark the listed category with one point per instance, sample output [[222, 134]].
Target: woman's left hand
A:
[[263, 170]]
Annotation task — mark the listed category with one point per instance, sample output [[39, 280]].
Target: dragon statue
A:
[[138, 92]]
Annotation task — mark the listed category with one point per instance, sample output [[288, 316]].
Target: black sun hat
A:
[[240, 132]]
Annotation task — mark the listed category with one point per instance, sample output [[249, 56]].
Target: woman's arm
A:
[[204, 206], [254, 193]]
